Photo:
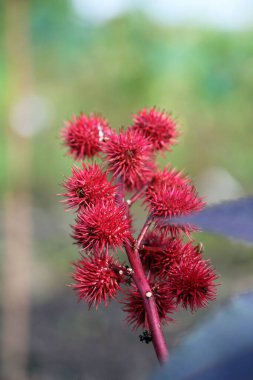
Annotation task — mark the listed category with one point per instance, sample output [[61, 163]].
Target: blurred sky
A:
[[222, 14]]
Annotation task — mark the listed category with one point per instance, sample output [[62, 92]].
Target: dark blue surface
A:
[[231, 218], [220, 349]]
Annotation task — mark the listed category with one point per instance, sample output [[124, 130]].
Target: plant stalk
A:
[[142, 284], [143, 231], [136, 196], [149, 304]]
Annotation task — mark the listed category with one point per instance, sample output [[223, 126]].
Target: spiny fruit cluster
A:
[[169, 260]]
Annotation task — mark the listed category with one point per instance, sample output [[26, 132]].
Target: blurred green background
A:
[[60, 58]]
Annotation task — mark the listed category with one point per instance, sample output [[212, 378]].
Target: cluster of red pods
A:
[[163, 268]]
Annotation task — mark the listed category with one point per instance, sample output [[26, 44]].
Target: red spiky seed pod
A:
[[153, 243], [133, 305], [129, 156], [84, 134], [172, 201], [175, 252], [192, 282], [160, 252], [168, 177], [97, 279], [157, 126], [177, 229], [86, 186], [102, 225]]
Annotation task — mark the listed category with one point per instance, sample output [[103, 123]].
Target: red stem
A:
[[151, 249], [143, 231], [142, 284], [136, 196], [149, 304], [120, 190]]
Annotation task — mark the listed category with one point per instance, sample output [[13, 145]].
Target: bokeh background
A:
[[191, 58]]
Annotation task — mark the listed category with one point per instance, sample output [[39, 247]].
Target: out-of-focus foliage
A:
[[232, 218], [204, 77]]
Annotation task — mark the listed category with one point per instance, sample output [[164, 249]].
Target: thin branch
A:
[[136, 196], [150, 249], [144, 230], [120, 196]]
